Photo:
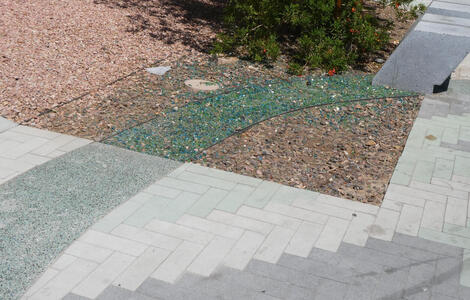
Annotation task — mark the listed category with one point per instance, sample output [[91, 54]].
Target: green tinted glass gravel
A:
[[182, 134]]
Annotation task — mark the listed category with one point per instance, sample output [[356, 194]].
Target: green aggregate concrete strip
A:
[[43, 210], [183, 133]]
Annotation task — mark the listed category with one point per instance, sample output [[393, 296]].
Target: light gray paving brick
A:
[[150, 210], [142, 198], [433, 215], [443, 169], [180, 232], [274, 244], [332, 234], [269, 217], [384, 225], [216, 228], [456, 211], [423, 171], [74, 144], [146, 237], [183, 185], [211, 256], [207, 202], [62, 284], [34, 132], [229, 176], [241, 222], [304, 238], [358, 230], [392, 205], [235, 198], [41, 281], [174, 209], [344, 203], [324, 209], [103, 275], [6, 124], [163, 191], [63, 261], [88, 251], [175, 265], [116, 216], [207, 180], [297, 212], [410, 220], [286, 194], [53, 144], [462, 166], [108, 241], [451, 184], [416, 193], [262, 194], [14, 150], [439, 190], [450, 135], [141, 268], [243, 251]]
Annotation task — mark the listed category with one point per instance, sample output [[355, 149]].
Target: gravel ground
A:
[[348, 150], [52, 51]]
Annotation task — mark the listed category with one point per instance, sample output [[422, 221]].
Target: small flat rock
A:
[[227, 60], [158, 70], [201, 85]]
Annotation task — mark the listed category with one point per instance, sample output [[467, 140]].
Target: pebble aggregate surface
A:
[[45, 209]]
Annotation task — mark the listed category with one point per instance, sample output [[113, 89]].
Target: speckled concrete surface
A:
[[46, 208]]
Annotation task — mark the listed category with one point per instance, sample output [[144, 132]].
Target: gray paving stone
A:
[[461, 145], [232, 284], [403, 251], [318, 268], [74, 297], [427, 245], [331, 289], [374, 256], [448, 12], [116, 293], [410, 68], [282, 273], [155, 288]]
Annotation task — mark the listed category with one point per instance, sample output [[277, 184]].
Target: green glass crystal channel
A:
[[182, 134]]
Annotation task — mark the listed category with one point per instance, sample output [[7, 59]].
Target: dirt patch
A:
[[347, 151]]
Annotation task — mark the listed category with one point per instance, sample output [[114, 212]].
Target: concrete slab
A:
[[418, 63]]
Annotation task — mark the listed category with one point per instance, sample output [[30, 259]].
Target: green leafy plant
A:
[[327, 34]]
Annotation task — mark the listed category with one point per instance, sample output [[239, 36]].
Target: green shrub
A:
[[327, 34]]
